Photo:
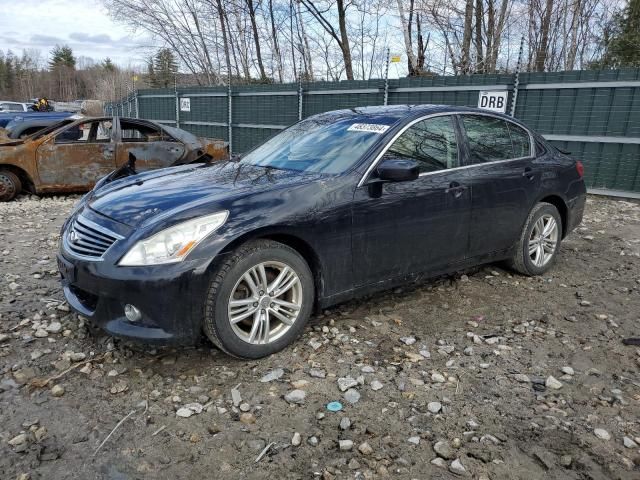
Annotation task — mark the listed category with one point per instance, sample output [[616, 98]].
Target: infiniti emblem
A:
[[73, 236]]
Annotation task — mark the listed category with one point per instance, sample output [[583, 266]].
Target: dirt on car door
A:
[[76, 157], [152, 147]]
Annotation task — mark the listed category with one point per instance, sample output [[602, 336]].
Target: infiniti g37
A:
[[341, 204]]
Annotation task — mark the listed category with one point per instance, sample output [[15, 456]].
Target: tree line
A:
[[211, 41], [284, 40], [65, 77]]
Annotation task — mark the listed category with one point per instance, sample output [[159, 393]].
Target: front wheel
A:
[[259, 300], [539, 242], [10, 185]]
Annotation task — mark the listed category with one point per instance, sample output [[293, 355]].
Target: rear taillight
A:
[[580, 168]]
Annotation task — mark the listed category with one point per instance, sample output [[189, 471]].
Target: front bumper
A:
[[170, 297]]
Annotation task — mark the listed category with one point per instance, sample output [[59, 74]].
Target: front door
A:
[[504, 181], [152, 147], [76, 157], [419, 225]]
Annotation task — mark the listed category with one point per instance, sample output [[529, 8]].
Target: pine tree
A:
[[62, 56], [163, 68], [622, 39], [108, 65]]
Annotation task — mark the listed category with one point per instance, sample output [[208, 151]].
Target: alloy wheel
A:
[[265, 302], [543, 240]]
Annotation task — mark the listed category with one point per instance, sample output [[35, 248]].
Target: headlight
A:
[[175, 243]]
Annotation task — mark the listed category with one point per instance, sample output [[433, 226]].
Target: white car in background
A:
[[7, 106]]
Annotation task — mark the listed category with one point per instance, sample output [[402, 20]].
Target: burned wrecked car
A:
[[72, 156]]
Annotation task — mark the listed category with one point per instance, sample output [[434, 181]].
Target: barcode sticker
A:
[[368, 127]]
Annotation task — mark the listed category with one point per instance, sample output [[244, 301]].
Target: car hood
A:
[[139, 199]]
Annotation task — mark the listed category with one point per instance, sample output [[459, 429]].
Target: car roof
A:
[[395, 113]]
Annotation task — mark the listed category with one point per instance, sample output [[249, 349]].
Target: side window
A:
[[431, 142], [134, 132], [87, 132], [520, 140], [489, 138]]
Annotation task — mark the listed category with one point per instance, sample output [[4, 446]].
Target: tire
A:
[[229, 280], [525, 262], [10, 185]]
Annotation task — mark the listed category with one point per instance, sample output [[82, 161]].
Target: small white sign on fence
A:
[[494, 100], [185, 104]]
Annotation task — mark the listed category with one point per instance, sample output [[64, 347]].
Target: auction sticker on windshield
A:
[[368, 127]]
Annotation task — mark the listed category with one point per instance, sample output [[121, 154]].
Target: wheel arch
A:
[[558, 202], [25, 178], [293, 241]]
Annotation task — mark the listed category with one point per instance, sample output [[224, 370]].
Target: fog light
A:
[[132, 313]]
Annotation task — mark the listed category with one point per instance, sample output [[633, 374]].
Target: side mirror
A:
[[397, 170]]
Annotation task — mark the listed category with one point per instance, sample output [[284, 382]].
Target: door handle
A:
[[456, 189], [528, 173]]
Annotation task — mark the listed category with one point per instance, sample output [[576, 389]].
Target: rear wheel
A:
[[539, 242], [259, 300], [10, 185]]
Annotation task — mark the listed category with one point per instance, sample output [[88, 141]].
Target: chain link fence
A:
[[593, 114]]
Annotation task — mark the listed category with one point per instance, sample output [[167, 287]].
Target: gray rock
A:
[[317, 373], [408, 340], [313, 441], [345, 423], [415, 440], [367, 369], [296, 440], [602, 434], [567, 370], [345, 383], [54, 327], [444, 450], [57, 391], [434, 407], [295, 396], [345, 445], [553, 383], [457, 468], [236, 398], [439, 462], [352, 395], [629, 442], [77, 356], [522, 378], [272, 375], [438, 378], [365, 448], [376, 385]]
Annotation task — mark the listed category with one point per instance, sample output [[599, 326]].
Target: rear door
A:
[[418, 225], [152, 146], [504, 181], [77, 156]]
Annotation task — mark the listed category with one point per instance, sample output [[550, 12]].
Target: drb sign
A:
[[495, 100]]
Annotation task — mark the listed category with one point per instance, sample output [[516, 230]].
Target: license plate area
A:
[[67, 270]]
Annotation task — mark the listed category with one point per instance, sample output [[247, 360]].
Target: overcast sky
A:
[[84, 25]]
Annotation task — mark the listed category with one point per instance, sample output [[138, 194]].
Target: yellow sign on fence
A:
[[396, 58]]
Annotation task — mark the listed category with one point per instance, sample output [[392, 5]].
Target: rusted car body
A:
[[71, 157]]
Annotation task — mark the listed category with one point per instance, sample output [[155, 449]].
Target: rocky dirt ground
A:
[[484, 374]]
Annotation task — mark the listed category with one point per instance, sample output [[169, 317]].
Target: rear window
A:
[[492, 139]]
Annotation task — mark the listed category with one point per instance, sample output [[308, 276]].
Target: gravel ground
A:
[[484, 374]]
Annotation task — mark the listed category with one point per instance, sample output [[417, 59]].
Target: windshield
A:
[[321, 145], [48, 130]]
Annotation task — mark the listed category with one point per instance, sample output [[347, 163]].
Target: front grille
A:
[[87, 239]]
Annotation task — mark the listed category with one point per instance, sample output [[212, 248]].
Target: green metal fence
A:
[[593, 114]]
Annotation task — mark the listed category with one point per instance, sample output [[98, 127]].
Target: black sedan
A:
[[341, 204]]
